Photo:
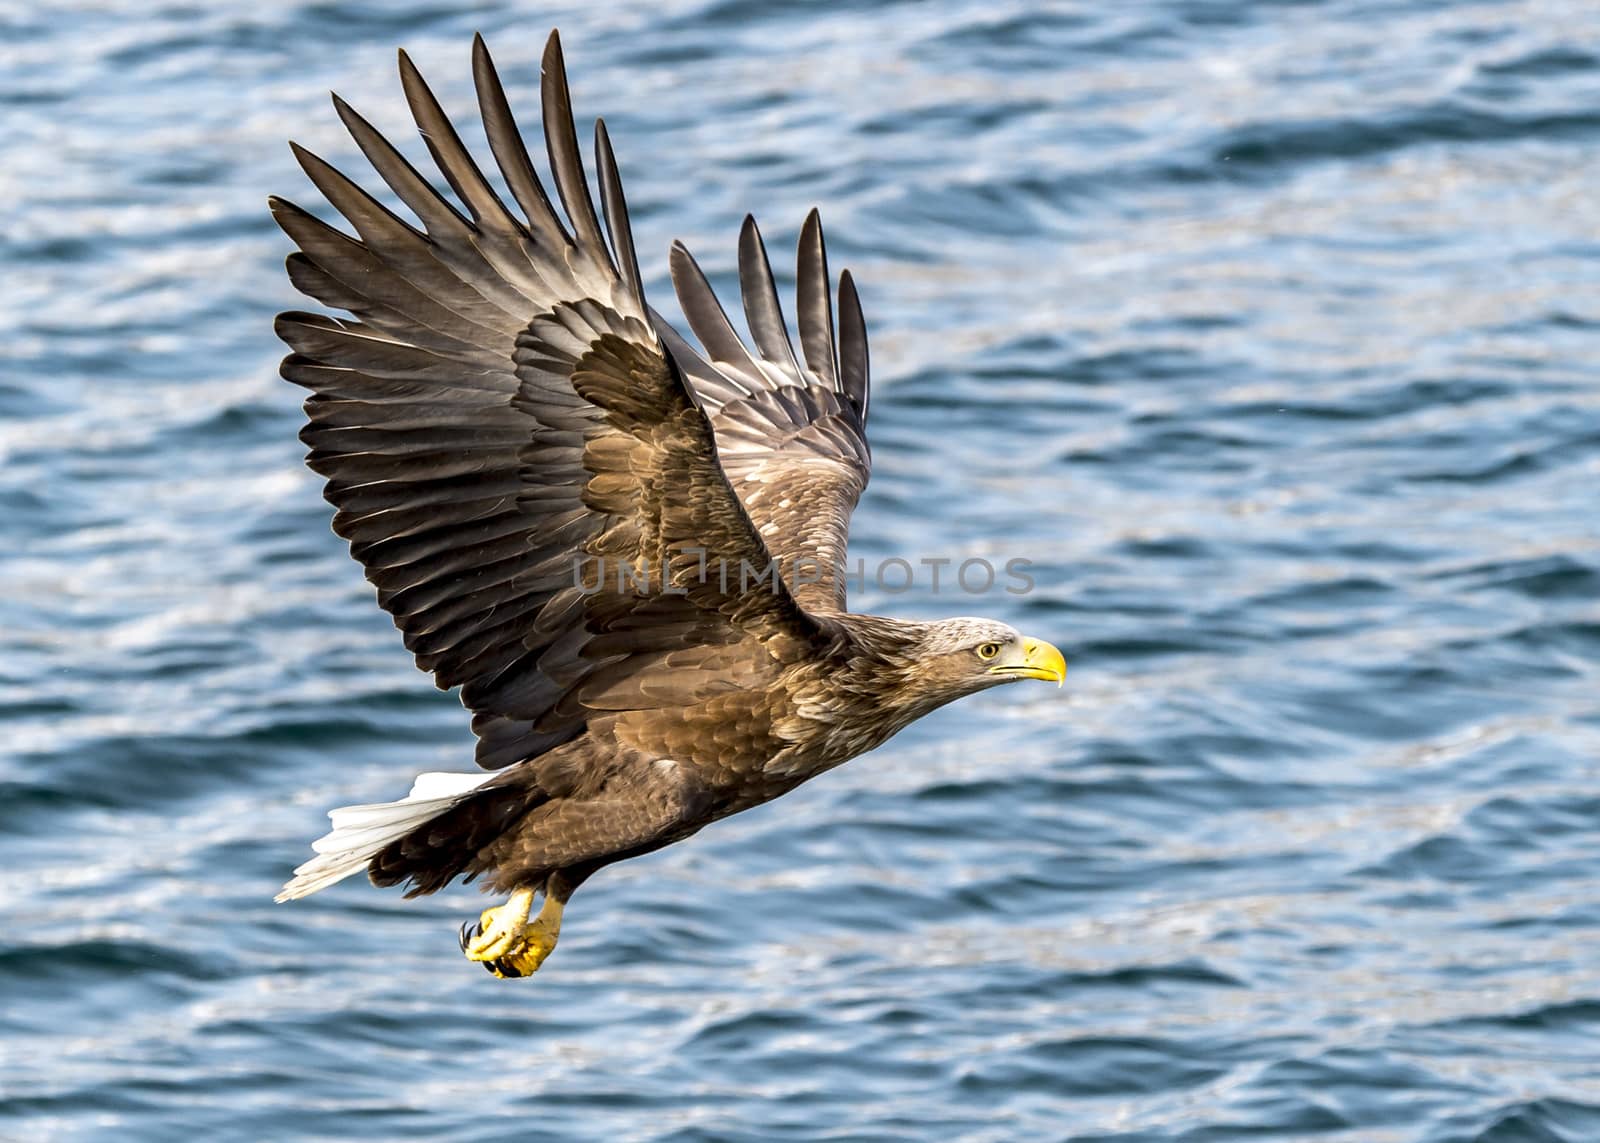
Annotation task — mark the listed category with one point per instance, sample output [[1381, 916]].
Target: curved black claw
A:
[[471, 931]]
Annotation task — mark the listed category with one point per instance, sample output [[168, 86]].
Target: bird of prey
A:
[[628, 552]]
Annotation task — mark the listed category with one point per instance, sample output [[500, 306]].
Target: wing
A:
[[513, 454], [791, 437]]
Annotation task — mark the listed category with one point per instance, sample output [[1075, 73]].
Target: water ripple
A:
[[1264, 330]]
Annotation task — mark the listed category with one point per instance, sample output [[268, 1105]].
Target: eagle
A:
[[626, 551]]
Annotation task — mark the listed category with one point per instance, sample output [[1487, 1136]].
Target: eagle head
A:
[[918, 667], [964, 655]]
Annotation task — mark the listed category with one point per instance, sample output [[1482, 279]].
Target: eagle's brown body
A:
[[635, 781], [624, 550]]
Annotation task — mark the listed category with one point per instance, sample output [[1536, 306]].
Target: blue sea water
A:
[[1269, 331]]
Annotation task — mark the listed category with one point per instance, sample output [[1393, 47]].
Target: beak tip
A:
[[1045, 661]]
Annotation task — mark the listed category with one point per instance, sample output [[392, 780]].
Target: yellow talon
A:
[[538, 942], [499, 930], [506, 943]]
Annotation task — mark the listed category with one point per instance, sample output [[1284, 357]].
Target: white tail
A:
[[360, 832]]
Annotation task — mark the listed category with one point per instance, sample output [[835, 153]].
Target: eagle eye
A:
[[988, 650]]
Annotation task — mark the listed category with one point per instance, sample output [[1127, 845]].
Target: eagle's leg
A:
[[506, 942]]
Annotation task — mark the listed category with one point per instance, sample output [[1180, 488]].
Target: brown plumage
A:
[[574, 516]]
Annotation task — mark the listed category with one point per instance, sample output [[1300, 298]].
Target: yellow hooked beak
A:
[[1038, 660]]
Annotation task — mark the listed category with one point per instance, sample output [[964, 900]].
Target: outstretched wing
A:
[[791, 437], [514, 455]]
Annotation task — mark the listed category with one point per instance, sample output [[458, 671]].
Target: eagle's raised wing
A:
[[792, 437], [502, 430]]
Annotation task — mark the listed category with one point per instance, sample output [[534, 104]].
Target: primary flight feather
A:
[[627, 552]]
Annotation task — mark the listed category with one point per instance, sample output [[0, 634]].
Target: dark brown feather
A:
[[794, 451], [505, 426], [498, 413]]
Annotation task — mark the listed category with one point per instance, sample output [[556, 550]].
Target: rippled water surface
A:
[[1268, 331]]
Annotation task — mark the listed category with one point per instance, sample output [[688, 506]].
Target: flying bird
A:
[[626, 551]]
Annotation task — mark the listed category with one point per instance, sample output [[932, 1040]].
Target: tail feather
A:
[[360, 833]]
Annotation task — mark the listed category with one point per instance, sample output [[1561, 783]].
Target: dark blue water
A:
[[1270, 332]]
